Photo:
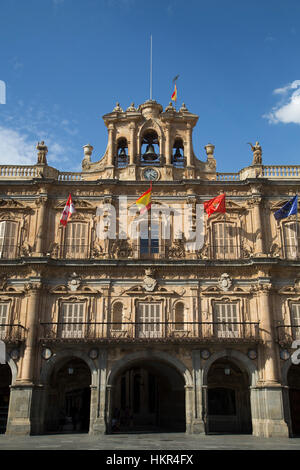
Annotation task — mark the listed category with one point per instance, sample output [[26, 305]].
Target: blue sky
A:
[[66, 63]]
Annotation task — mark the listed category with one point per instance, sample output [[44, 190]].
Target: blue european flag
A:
[[290, 208]]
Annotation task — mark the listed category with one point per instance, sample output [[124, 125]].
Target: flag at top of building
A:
[[144, 201], [68, 211], [289, 208], [174, 95], [217, 204]]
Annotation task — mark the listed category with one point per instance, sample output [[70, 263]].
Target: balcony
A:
[[154, 332], [12, 333]]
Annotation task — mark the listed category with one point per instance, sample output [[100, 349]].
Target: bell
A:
[[150, 153], [122, 154], [177, 155]]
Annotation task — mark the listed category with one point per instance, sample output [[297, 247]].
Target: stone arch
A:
[[13, 368], [144, 355], [238, 358], [49, 365]]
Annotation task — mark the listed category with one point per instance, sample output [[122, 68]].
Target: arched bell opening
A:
[[178, 159], [148, 397], [69, 395], [5, 382], [121, 159], [228, 399], [150, 150], [293, 380]]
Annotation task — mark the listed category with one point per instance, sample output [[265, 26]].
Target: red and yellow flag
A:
[[174, 95], [217, 204], [144, 201]]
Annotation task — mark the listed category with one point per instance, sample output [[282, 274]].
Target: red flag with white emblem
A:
[[68, 211]]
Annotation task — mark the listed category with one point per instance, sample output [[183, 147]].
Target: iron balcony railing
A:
[[10, 332], [286, 334], [151, 331], [74, 251]]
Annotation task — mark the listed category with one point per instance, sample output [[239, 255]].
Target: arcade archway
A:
[[68, 407], [228, 398], [293, 380], [5, 382], [148, 396]]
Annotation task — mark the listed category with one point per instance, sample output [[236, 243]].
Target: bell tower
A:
[[149, 143]]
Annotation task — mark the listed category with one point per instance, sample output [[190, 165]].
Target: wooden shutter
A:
[[76, 240], [224, 240], [148, 320], [291, 243], [72, 320], [226, 313], [296, 320], [3, 319]]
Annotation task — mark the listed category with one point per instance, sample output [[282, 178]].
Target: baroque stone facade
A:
[[188, 325]]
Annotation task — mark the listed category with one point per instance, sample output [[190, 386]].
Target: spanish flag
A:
[[144, 201], [174, 95], [217, 204], [68, 211]]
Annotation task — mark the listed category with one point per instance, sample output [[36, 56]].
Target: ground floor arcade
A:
[[149, 390]]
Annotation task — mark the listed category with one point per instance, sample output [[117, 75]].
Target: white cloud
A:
[[288, 109], [15, 148]]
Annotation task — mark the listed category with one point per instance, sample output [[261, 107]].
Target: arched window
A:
[[76, 244], [150, 152], [225, 240], [117, 315], [291, 234], [179, 316], [8, 239], [178, 159], [121, 160]]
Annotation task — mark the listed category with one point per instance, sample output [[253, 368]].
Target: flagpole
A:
[[297, 241], [151, 67]]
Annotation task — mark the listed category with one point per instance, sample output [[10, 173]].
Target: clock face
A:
[[150, 174]]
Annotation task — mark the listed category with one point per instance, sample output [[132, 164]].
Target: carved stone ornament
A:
[[225, 282], [42, 152], [74, 282], [149, 282]]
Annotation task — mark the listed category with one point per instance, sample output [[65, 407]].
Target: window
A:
[[76, 245], [117, 316], [225, 318], [295, 320], [8, 239], [148, 320], [3, 319], [72, 320], [179, 316], [149, 238], [225, 242], [291, 239]]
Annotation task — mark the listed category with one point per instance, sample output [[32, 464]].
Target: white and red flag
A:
[[68, 211]]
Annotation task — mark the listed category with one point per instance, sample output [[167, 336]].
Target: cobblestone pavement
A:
[[125, 442]]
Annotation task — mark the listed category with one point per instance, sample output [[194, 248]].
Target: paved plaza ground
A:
[[154, 442]]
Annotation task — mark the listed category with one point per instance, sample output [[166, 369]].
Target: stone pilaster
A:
[[197, 422], [25, 396], [98, 398], [266, 397], [41, 232]]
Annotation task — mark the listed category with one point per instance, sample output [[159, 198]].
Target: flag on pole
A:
[[174, 95], [217, 204], [290, 208], [68, 211], [144, 201]]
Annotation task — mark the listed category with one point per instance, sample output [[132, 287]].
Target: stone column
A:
[[132, 147], [267, 414], [189, 408], [168, 145], [197, 424], [109, 398], [41, 233], [98, 397], [25, 397], [257, 226], [111, 134], [189, 146]]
